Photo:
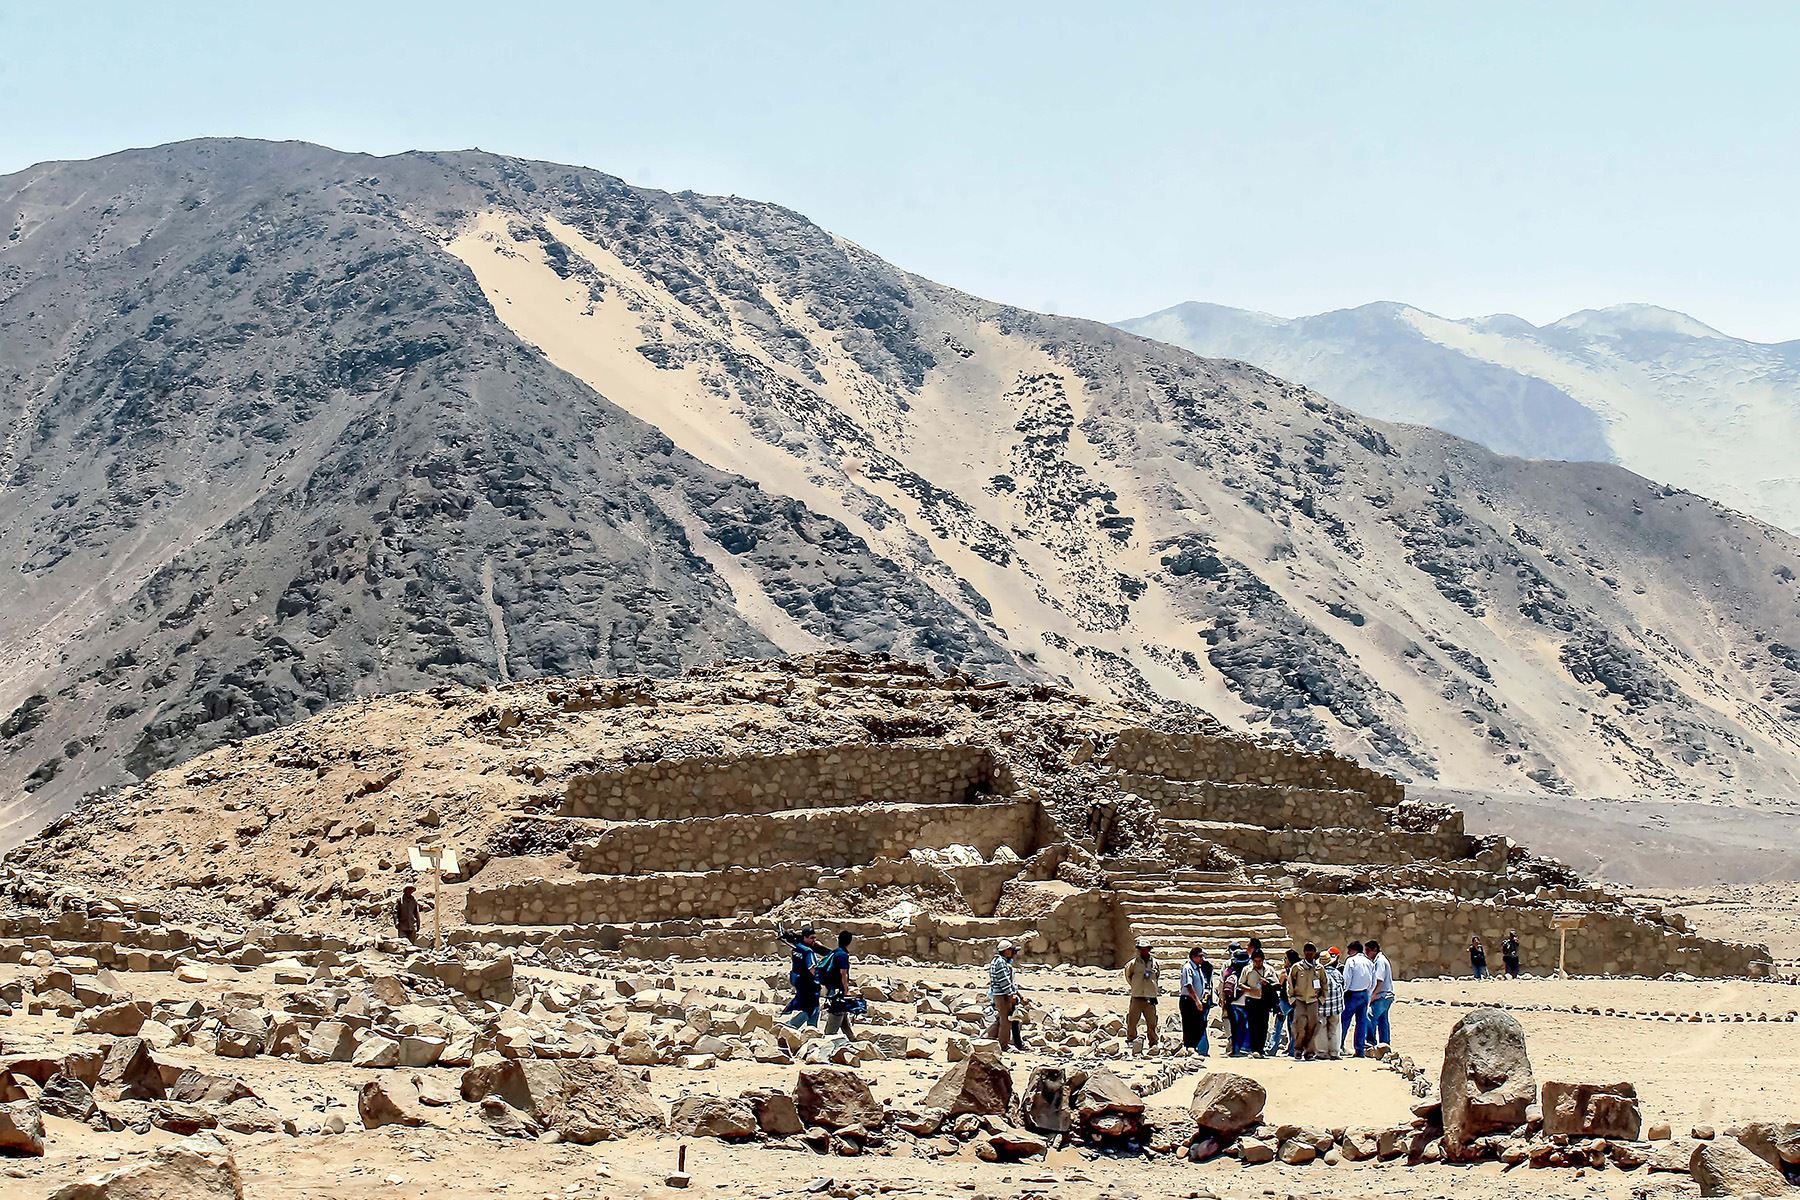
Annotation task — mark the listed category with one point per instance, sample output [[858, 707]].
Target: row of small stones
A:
[[1585, 1010]]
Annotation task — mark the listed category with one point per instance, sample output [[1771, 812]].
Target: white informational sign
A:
[[438, 861]]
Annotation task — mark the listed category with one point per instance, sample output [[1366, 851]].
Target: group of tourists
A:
[[1308, 1005]]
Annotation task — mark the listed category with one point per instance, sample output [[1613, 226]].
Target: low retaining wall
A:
[[1430, 936], [1221, 759], [1077, 930], [1256, 804], [819, 777], [828, 838]]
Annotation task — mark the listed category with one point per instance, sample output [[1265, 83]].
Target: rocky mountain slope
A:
[[285, 426], [1651, 389]]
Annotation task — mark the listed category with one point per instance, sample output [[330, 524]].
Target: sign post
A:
[[1562, 923], [437, 860]]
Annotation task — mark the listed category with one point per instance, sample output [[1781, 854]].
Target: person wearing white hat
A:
[[1003, 994], [1141, 977]]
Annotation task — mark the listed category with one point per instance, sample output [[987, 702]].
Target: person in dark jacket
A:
[[836, 977], [803, 962], [406, 915], [1509, 953], [1478, 957]]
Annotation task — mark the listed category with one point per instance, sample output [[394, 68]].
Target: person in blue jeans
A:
[[1232, 998], [1359, 980], [1284, 1007], [1381, 993], [803, 961]]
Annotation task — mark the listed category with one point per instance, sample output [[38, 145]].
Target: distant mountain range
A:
[[1651, 389], [283, 427]]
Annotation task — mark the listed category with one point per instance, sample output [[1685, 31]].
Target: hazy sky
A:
[[1078, 158]]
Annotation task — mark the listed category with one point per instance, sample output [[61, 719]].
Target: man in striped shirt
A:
[[1003, 994]]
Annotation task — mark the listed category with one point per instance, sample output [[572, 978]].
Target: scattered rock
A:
[[1726, 1168], [835, 1097], [974, 1085], [1226, 1104]]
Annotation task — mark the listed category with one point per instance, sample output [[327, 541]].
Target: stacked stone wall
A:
[[1348, 847], [1255, 804], [818, 777], [840, 837], [732, 892], [1427, 936], [1078, 930], [1225, 759]]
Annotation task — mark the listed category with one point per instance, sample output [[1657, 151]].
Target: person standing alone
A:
[[1003, 994], [406, 914]]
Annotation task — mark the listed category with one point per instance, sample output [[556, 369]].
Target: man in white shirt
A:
[[1359, 980], [1381, 993]]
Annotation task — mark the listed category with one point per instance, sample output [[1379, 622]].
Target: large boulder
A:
[[1226, 1104], [1775, 1142], [123, 1019], [66, 1096], [1606, 1110], [974, 1085], [21, 1129], [129, 1072], [583, 1101], [208, 1090], [391, 1100], [776, 1113], [836, 1097], [331, 1041], [1044, 1105], [1486, 1085], [713, 1116], [1107, 1109], [197, 1169], [1725, 1168]]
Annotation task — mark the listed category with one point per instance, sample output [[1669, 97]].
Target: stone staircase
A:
[[1179, 908]]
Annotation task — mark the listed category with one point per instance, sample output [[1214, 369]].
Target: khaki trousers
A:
[[1142, 1008], [1304, 1026], [1004, 1007]]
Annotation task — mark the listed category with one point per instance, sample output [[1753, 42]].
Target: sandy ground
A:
[[1714, 1072]]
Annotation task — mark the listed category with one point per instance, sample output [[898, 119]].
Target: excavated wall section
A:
[[732, 892], [816, 777], [1256, 804], [1425, 936], [832, 838], [1221, 759], [1346, 847]]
